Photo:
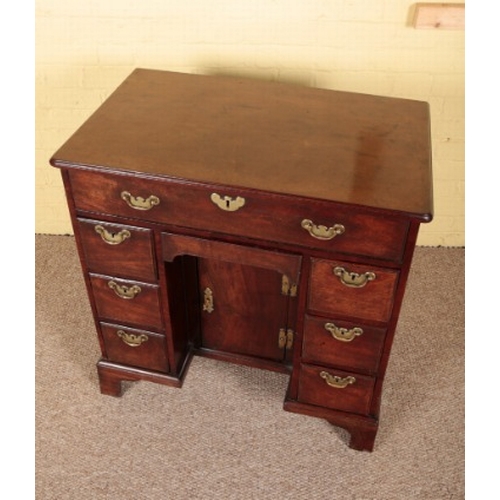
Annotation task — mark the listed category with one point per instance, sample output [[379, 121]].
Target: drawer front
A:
[[273, 217], [127, 301], [351, 346], [347, 289], [335, 389], [118, 250], [133, 347]]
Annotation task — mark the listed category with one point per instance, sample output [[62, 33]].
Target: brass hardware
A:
[[336, 381], [343, 334], [282, 338], [287, 288], [112, 238], [138, 202], [227, 203], [123, 291], [131, 339], [353, 280], [322, 232], [208, 300], [285, 338]]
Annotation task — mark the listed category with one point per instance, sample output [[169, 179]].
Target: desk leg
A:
[[110, 381], [111, 376], [363, 430], [362, 435]]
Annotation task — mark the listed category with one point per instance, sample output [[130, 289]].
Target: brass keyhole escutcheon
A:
[[123, 291], [208, 300], [353, 280], [227, 203], [112, 238]]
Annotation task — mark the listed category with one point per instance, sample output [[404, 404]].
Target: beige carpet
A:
[[224, 435]]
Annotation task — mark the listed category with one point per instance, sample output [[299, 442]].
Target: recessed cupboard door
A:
[[243, 310], [247, 297]]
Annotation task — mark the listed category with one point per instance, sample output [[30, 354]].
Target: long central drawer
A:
[[267, 216]]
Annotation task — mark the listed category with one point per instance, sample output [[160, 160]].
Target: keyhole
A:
[[227, 203]]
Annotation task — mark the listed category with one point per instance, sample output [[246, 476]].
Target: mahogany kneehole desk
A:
[[259, 223]]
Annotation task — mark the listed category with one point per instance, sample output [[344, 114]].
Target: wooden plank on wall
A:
[[439, 16]]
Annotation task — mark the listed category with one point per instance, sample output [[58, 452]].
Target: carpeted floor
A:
[[224, 435]]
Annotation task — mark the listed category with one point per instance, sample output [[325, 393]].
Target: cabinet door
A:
[[248, 309], [246, 295]]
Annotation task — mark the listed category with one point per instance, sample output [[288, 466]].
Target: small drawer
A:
[[127, 301], [119, 250], [354, 290], [273, 217], [335, 389], [140, 348], [351, 346]]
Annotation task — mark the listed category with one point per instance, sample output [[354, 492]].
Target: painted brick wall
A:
[[85, 49]]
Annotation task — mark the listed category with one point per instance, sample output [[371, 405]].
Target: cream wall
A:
[[84, 49]]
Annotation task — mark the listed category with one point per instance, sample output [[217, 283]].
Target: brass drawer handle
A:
[[336, 381], [353, 280], [343, 334], [138, 202], [131, 339], [322, 232], [227, 203], [123, 291], [112, 238]]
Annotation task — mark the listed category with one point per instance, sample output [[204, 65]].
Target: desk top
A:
[[330, 145]]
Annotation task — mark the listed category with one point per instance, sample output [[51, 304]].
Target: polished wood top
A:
[[340, 146]]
